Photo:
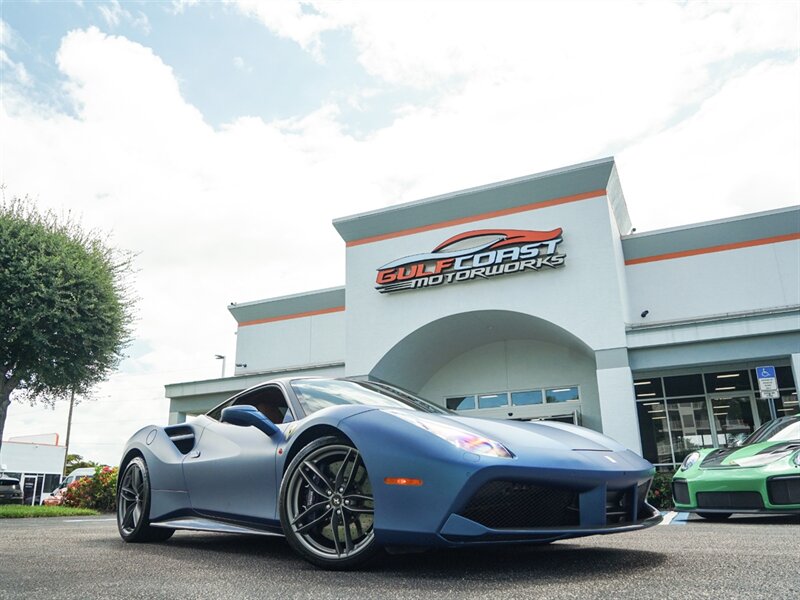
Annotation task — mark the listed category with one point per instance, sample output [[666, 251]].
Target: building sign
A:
[[478, 254]]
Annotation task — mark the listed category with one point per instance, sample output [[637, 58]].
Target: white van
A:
[[54, 497]]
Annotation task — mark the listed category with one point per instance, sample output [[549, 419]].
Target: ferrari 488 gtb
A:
[[343, 468]]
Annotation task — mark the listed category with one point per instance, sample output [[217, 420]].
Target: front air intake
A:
[[519, 505]]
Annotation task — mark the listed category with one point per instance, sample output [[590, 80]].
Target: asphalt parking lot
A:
[[747, 557]]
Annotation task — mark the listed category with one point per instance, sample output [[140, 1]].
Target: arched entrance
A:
[[504, 364]]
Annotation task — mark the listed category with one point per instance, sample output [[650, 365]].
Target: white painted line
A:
[[681, 518], [88, 520], [668, 517]]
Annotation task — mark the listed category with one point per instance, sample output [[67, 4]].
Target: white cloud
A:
[[17, 70], [298, 21], [240, 65], [699, 103], [8, 37], [739, 153], [114, 15]]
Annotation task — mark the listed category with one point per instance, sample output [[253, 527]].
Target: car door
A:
[[231, 470]]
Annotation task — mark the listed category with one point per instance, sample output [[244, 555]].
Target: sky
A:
[[202, 135]]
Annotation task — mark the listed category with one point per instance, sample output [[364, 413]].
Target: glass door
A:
[[733, 416], [688, 426]]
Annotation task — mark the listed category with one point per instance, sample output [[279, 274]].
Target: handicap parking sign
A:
[[766, 372], [767, 382]]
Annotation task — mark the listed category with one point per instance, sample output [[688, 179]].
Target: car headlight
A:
[[796, 460], [460, 438], [689, 461]]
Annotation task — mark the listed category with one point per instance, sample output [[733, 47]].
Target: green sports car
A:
[[760, 475]]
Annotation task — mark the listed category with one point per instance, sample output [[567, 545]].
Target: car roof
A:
[[82, 471]]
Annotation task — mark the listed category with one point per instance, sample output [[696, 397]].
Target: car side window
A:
[[216, 412], [270, 401]]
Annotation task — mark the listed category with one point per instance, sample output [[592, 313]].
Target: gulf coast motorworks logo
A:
[[481, 253]]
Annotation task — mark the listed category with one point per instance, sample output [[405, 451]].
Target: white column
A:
[[618, 406], [177, 417], [795, 358]]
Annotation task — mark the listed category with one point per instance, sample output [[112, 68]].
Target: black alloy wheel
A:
[[133, 506], [326, 505]]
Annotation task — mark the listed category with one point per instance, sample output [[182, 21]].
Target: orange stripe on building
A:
[[310, 313], [721, 248], [480, 217]]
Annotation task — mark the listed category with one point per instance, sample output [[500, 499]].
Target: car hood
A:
[[748, 456], [541, 435]]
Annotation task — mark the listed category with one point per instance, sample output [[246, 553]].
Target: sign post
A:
[[767, 382]]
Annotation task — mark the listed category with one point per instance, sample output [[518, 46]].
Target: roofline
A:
[[733, 219], [287, 297], [472, 190], [566, 184]]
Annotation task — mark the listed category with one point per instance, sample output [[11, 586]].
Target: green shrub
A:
[[97, 493], [660, 494]]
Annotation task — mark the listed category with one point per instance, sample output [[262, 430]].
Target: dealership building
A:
[[535, 299]]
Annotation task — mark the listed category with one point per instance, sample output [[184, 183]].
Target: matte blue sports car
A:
[[343, 468]]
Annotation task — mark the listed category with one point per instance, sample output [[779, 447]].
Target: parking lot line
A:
[[668, 517]]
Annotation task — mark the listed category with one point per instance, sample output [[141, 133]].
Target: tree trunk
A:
[[69, 427], [5, 401], [6, 387]]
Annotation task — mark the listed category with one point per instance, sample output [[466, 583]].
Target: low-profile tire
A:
[[133, 506], [714, 516], [327, 507]]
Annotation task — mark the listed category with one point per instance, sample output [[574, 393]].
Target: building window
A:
[[562, 394], [705, 410], [648, 388], [689, 426], [656, 445], [516, 398], [492, 400], [526, 398], [461, 403], [684, 385], [727, 381]]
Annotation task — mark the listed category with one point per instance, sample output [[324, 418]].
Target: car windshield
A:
[[8, 482], [779, 430], [316, 394]]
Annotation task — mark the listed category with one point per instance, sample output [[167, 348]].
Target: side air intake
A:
[[182, 436]]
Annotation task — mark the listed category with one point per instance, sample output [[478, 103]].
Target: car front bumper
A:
[[739, 490]]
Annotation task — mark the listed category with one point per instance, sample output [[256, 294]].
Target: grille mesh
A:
[[680, 491], [743, 500], [517, 505], [784, 490]]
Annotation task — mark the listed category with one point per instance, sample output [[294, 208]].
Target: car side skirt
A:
[[204, 524]]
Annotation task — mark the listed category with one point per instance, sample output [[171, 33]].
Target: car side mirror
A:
[[245, 416]]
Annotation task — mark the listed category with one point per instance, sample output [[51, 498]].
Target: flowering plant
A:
[[660, 495], [98, 492]]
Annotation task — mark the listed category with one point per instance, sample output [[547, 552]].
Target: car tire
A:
[[133, 506], [326, 506], [714, 516]]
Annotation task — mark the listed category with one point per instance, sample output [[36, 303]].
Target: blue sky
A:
[[200, 135], [228, 64]]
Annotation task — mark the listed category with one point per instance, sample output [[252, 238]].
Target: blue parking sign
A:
[[767, 382], [765, 372]]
